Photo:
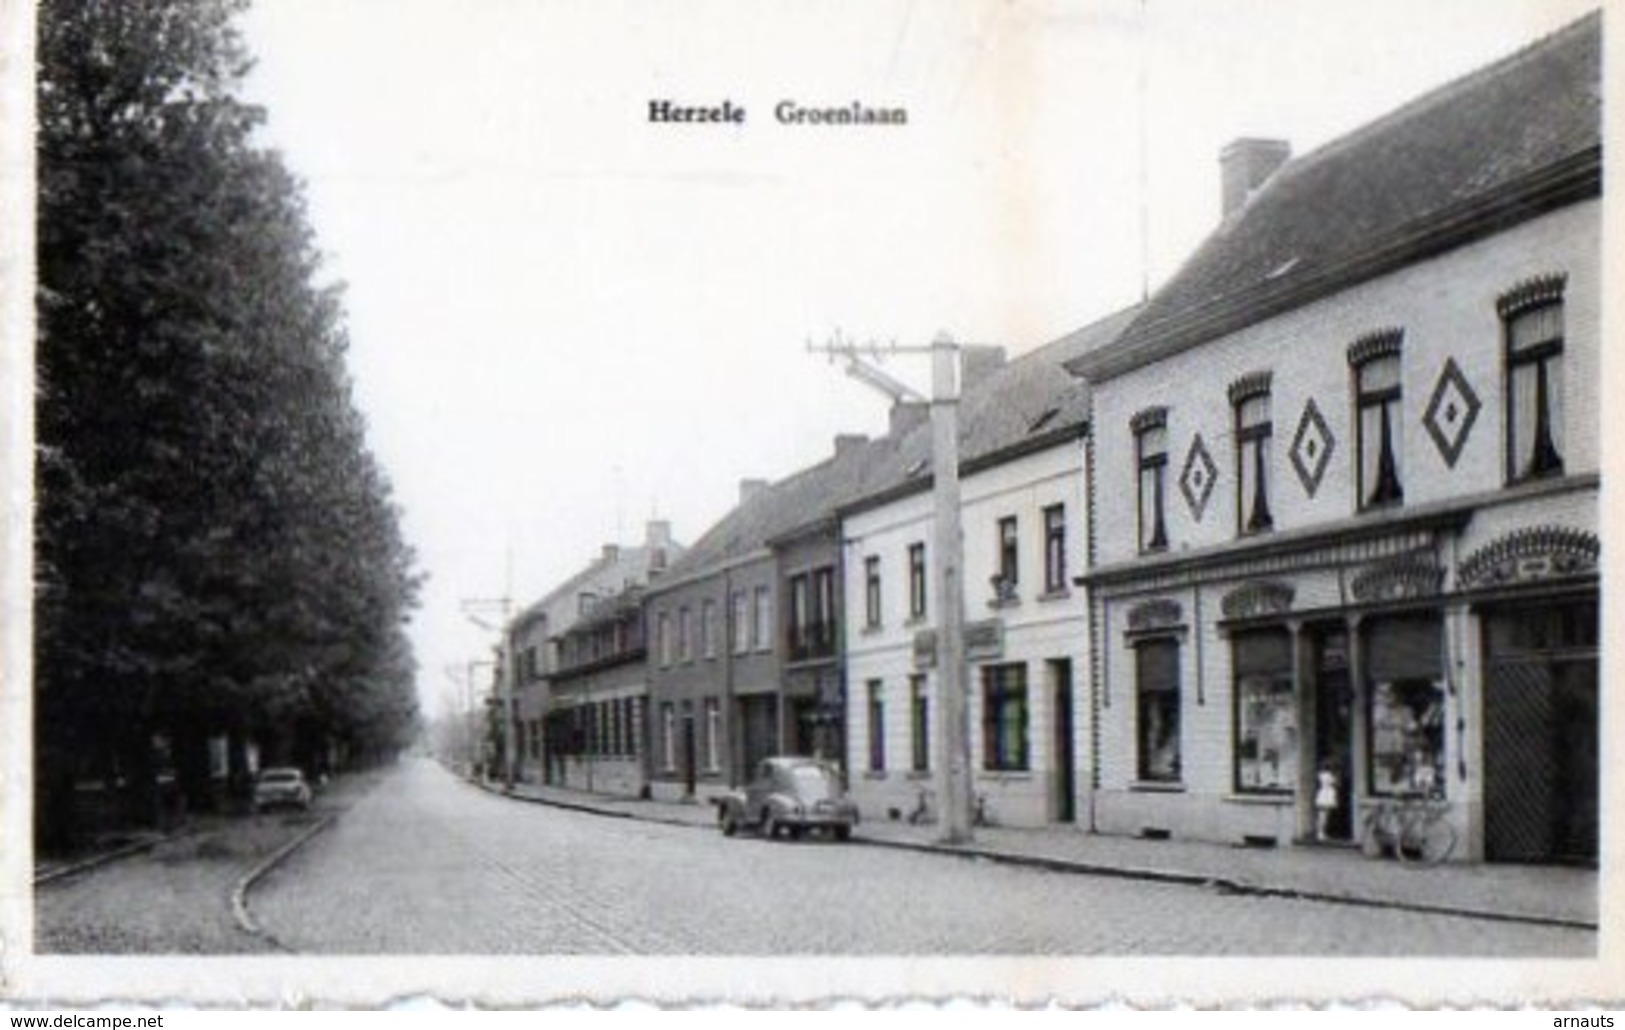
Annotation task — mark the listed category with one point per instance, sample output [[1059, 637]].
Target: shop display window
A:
[[1407, 737], [1266, 713], [1266, 733]]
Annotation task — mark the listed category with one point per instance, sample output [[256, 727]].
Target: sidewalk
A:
[[1555, 895]]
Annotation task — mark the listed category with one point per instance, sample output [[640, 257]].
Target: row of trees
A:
[[218, 554]]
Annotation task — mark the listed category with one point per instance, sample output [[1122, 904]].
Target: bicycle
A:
[[983, 816], [1413, 828], [924, 811]]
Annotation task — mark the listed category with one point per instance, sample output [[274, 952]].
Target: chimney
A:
[[980, 362], [657, 533], [846, 443], [611, 552], [1244, 166], [906, 415], [657, 538], [749, 489]]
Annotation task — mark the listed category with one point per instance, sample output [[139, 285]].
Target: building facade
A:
[[1346, 469], [813, 700], [713, 672], [743, 660], [595, 734], [1024, 522], [533, 639]]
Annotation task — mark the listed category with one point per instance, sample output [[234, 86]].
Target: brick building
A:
[[594, 736], [742, 652], [534, 637], [1346, 472]]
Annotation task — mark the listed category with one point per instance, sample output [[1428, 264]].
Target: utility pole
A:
[[953, 776], [479, 610]]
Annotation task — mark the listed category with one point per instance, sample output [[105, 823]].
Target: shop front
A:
[[1336, 712], [1283, 700]]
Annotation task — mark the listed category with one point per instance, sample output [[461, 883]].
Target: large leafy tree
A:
[[218, 552]]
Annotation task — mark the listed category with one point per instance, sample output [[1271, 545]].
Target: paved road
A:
[[428, 864], [176, 898]]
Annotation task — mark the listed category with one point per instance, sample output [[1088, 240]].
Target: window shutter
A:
[[1404, 648], [1266, 652]]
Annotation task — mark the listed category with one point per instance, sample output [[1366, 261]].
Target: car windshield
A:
[[812, 783], [280, 776]]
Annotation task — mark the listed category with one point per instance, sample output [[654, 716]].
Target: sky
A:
[[566, 319]]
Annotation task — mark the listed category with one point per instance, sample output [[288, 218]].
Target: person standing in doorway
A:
[[1325, 799]]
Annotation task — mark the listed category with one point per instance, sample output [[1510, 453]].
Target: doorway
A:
[[1333, 699], [690, 756], [1065, 803], [1541, 768]]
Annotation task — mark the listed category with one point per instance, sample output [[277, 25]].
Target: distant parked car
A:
[[281, 785], [792, 796]]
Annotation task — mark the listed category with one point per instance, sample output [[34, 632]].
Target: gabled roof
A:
[[1031, 402], [623, 604], [633, 556], [779, 509], [1513, 140]]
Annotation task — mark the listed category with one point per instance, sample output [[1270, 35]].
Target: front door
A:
[[690, 756], [1541, 769], [1066, 809], [1333, 698]]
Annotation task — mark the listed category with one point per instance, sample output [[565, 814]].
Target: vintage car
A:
[[282, 785], [792, 796]]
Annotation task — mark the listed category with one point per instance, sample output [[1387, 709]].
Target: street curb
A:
[[587, 809], [1224, 884], [95, 861], [239, 893], [1074, 867]]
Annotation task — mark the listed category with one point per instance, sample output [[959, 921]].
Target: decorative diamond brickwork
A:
[[1196, 481], [1312, 447], [1451, 412]]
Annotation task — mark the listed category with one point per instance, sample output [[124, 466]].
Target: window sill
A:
[[920, 774], [1535, 477], [1058, 594], [1380, 506], [871, 629], [874, 774], [1004, 602], [1007, 775], [1157, 786], [914, 621], [1260, 798]]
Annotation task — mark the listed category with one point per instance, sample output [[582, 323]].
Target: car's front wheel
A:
[[729, 824], [770, 826], [843, 833]]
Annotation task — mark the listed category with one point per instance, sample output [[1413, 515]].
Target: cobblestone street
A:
[[176, 897], [430, 864]]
